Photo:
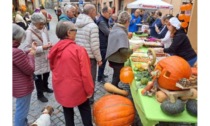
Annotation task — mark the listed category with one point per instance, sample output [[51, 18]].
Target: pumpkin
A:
[[126, 68], [113, 110], [191, 107], [172, 69], [181, 16], [172, 108], [160, 96], [126, 76]]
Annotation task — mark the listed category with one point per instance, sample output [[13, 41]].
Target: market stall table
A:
[[149, 109]]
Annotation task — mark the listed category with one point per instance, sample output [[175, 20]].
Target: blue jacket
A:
[[134, 20], [153, 33], [66, 18]]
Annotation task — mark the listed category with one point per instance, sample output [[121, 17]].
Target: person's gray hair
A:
[[63, 27], [88, 8], [123, 17], [67, 8], [17, 32], [38, 18]]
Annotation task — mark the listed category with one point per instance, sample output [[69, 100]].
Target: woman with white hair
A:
[[118, 49], [181, 45], [37, 32], [22, 78]]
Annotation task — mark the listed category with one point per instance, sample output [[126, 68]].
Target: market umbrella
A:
[[150, 4]]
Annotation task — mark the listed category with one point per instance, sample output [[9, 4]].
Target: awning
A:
[[150, 4]]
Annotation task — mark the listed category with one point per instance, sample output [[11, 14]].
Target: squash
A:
[[144, 80], [191, 107], [172, 108], [160, 96], [126, 68], [194, 95], [173, 68], [126, 76], [111, 88], [113, 110]]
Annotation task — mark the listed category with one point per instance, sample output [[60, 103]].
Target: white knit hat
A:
[[175, 22]]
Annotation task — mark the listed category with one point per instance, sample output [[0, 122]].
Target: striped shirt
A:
[[23, 69]]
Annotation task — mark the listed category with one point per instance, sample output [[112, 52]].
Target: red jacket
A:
[[22, 72], [71, 73]]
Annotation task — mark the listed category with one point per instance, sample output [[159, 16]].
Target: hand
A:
[[99, 63], [32, 50], [45, 47], [157, 29]]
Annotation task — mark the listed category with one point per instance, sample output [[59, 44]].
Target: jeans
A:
[[102, 67], [116, 76], [85, 112], [22, 109], [93, 64], [41, 83], [192, 61]]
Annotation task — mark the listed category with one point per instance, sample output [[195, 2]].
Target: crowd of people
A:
[[87, 41]]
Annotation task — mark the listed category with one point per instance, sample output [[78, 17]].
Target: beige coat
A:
[[41, 61]]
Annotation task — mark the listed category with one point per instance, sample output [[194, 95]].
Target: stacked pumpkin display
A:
[[171, 70]]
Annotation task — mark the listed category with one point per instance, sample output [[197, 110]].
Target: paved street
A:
[[58, 118]]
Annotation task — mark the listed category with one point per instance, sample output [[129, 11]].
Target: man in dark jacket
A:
[[103, 25]]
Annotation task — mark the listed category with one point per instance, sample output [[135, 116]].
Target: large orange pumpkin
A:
[[172, 69], [126, 76], [113, 110]]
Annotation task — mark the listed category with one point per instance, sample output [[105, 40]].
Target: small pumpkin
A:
[[126, 68], [126, 76], [160, 96], [172, 108], [194, 95], [173, 68], [191, 107], [113, 110]]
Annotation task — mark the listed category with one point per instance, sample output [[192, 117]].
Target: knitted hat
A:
[[175, 22]]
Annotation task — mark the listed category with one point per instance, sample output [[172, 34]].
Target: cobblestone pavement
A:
[[58, 119]]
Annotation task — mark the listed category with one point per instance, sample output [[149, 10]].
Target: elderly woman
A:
[[180, 44], [23, 69], [37, 32], [118, 50], [72, 81]]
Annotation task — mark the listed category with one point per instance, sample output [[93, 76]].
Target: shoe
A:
[[48, 90], [43, 99]]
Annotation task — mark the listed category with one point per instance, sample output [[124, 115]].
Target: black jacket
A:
[[181, 46], [103, 25]]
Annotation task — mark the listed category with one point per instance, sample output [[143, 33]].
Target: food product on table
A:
[[172, 69], [152, 44], [191, 107], [172, 108], [140, 59], [126, 75], [194, 95], [110, 110], [160, 96]]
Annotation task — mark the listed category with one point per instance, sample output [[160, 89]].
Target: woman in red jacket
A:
[[71, 74], [22, 75]]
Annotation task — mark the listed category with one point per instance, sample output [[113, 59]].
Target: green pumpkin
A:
[[172, 108], [191, 107], [144, 80]]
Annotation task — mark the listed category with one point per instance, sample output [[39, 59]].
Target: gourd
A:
[[194, 95], [111, 88], [160, 96], [126, 68], [172, 108], [126, 75], [172, 69], [113, 110], [191, 107]]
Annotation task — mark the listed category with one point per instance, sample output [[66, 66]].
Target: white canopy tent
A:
[[150, 4]]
